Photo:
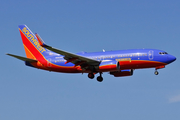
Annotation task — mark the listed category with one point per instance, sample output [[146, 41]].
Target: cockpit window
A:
[[163, 53]]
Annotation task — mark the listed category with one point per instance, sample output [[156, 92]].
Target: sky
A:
[[90, 25]]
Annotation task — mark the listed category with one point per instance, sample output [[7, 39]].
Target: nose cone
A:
[[171, 59]]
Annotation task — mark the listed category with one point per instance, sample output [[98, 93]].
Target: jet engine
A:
[[109, 66], [122, 73]]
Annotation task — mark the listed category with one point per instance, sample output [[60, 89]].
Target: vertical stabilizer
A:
[[32, 47]]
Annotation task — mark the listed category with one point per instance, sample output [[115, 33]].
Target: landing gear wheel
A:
[[156, 72], [99, 79], [91, 75]]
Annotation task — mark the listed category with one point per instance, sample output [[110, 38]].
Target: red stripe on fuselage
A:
[[139, 64]]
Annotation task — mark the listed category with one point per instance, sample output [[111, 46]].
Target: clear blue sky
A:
[[90, 25]]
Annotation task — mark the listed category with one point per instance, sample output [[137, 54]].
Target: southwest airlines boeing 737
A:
[[118, 63]]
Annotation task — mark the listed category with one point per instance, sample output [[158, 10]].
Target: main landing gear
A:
[[99, 78], [91, 75]]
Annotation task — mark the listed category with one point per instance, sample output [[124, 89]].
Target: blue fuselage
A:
[[151, 55]]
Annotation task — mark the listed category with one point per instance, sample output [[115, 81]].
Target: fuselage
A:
[[128, 59]]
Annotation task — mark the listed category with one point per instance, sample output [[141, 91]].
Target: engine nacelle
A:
[[109, 66], [122, 73]]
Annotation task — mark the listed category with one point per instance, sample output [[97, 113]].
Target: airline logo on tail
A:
[[33, 39]]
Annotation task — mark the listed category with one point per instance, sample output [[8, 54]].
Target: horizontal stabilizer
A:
[[22, 58]]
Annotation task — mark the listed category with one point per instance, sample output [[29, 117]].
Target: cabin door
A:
[[49, 62], [150, 55]]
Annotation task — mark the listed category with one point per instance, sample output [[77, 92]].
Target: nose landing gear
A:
[[156, 72], [159, 67]]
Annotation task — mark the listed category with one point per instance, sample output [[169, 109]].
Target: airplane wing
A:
[[70, 57], [22, 58]]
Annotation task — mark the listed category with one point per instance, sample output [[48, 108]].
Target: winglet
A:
[[41, 42]]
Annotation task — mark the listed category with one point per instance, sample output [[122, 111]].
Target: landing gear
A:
[[156, 72], [91, 75], [100, 78]]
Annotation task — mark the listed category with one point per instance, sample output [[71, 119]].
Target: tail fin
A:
[[32, 47]]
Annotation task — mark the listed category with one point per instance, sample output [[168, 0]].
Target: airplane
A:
[[118, 63]]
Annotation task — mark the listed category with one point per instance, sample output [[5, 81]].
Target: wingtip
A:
[[41, 42]]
